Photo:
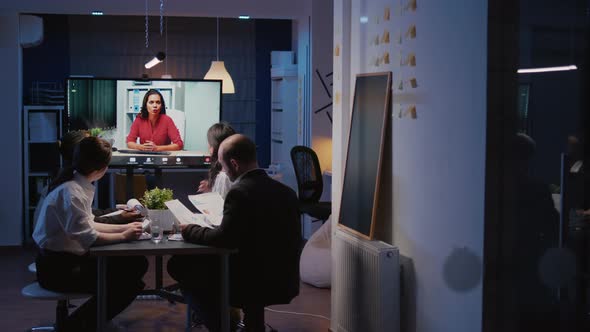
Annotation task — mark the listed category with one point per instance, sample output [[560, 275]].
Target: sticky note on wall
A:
[[412, 5], [385, 37], [386, 14], [411, 33]]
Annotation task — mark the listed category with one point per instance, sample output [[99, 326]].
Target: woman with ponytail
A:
[[217, 181], [65, 230], [66, 148]]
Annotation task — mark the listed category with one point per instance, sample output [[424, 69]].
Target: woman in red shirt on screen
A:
[[156, 130]]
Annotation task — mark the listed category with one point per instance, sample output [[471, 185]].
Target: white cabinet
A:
[[42, 130], [285, 120]]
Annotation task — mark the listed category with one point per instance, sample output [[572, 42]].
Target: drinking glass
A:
[[157, 233]]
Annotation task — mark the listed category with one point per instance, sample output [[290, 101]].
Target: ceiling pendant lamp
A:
[[217, 71]]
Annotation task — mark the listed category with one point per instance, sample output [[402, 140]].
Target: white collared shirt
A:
[[577, 166], [222, 184], [65, 221]]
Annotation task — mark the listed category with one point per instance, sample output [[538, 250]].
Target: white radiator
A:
[[366, 284]]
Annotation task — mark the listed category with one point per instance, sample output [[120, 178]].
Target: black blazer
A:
[[261, 220]]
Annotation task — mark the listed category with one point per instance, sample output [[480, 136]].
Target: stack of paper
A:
[[210, 205], [185, 216]]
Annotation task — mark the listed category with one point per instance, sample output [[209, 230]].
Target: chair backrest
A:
[[308, 174]]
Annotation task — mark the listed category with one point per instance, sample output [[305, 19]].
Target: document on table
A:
[[185, 216], [210, 204]]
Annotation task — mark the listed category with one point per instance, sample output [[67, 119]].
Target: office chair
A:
[[309, 183], [35, 291]]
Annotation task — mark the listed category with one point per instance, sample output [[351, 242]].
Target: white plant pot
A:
[[164, 218]]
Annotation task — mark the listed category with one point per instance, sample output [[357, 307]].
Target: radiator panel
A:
[[366, 285]]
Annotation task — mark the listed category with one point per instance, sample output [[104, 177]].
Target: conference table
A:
[[149, 248]]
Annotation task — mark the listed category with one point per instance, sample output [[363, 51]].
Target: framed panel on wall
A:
[[362, 172]]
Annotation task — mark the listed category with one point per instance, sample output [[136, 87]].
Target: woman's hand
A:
[[133, 231], [149, 146], [204, 187]]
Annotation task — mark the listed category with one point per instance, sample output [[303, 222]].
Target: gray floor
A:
[[18, 313]]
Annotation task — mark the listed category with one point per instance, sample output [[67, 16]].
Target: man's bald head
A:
[[237, 155]]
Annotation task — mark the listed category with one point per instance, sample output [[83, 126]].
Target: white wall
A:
[[436, 186], [11, 199]]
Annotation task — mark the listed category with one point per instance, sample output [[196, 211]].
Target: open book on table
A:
[[210, 205], [185, 216]]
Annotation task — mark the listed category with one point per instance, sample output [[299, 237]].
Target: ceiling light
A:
[[218, 71], [97, 13], [244, 17], [546, 69], [157, 59]]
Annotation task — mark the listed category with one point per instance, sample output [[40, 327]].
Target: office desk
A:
[[146, 248]]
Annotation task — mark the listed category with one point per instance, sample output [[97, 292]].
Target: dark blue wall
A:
[[48, 62]]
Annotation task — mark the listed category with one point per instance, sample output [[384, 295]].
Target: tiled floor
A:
[[18, 313]]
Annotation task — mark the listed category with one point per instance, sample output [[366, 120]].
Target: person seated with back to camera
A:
[[66, 230], [66, 149], [217, 181], [260, 220], [156, 130]]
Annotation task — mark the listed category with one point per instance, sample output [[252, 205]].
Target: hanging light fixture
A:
[[160, 56], [217, 71]]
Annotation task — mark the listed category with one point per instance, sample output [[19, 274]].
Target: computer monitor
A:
[[110, 106]]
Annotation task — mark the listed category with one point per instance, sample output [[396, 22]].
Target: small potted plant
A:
[[97, 132], [154, 200]]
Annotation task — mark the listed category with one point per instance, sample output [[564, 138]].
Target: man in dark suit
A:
[[261, 221]]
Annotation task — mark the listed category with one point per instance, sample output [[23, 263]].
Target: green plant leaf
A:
[[154, 199]]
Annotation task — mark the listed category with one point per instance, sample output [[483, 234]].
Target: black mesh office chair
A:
[[309, 183]]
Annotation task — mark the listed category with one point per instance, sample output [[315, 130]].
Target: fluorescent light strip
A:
[[244, 17], [97, 13], [546, 69], [152, 63]]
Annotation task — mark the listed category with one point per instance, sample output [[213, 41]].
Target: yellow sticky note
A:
[[412, 5], [412, 111], [337, 98], [386, 14], [337, 50], [411, 33], [412, 59], [385, 37], [386, 58], [413, 82]]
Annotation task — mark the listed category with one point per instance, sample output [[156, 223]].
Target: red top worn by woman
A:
[[163, 133]]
